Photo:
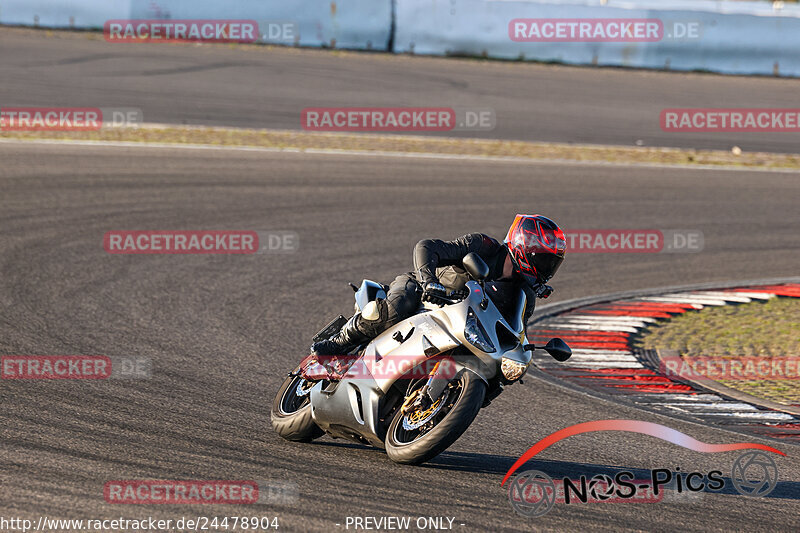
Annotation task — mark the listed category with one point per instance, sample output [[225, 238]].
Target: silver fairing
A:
[[351, 408]]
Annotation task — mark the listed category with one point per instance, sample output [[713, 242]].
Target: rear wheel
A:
[[291, 411], [421, 434]]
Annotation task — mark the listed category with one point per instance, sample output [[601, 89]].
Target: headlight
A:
[[475, 334], [512, 370]]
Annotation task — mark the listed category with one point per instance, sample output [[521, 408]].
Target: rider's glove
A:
[[435, 293], [543, 291]]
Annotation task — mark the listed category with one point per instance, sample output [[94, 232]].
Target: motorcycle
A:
[[415, 388]]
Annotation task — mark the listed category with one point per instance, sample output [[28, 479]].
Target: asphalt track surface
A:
[[223, 330], [253, 87]]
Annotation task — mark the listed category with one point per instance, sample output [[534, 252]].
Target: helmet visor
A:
[[546, 265]]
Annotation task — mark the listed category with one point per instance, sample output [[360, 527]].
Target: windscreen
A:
[[509, 300]]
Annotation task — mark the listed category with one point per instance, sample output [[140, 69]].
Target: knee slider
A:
[[374, 310]]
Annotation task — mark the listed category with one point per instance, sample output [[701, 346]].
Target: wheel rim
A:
[[296, 396], [414, 425]]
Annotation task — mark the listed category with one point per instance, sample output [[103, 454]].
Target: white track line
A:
[[600, 352], [607, 361], [586, 327], [728, 297], [600, 324], [732, 295], [686, 300], [758, 415], [609, 326], [758, 295], [412, 155], [723, 406], [680, 398], [650, 299], [610, 318], [696, 299], [603, 365]]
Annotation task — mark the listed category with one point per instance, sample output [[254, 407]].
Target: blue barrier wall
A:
[[353, 24], [735, 37], [65, 14]]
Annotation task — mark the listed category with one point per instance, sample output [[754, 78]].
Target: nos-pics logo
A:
[[533, 493]]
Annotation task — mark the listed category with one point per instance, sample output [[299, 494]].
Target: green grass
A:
[[759, 329]]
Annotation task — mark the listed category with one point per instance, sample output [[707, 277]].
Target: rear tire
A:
[[291, 413], [445, 432]]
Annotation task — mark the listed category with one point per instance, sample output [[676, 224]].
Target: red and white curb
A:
[[603, 360]]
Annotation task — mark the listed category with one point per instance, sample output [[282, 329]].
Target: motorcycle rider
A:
[[531, 253]]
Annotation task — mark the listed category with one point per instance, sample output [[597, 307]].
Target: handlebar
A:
[[451, 301]]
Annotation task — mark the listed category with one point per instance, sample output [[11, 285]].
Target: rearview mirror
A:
[[558, 349], [475, 266]]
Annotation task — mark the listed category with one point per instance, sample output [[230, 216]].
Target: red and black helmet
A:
[[536, 245]]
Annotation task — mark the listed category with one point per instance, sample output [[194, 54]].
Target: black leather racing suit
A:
[[439, 261]]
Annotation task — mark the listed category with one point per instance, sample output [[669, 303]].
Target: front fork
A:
[[434, 386]]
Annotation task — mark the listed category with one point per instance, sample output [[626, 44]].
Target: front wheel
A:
[[291, 411], [417, 436]]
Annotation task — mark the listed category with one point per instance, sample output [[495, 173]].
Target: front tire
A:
[[413, 447], [291, 411]]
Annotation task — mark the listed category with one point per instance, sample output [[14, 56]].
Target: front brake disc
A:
[[417, 418], [303, 388]]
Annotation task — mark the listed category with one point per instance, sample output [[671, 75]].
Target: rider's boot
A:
[[343, 342], [359, 329]]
